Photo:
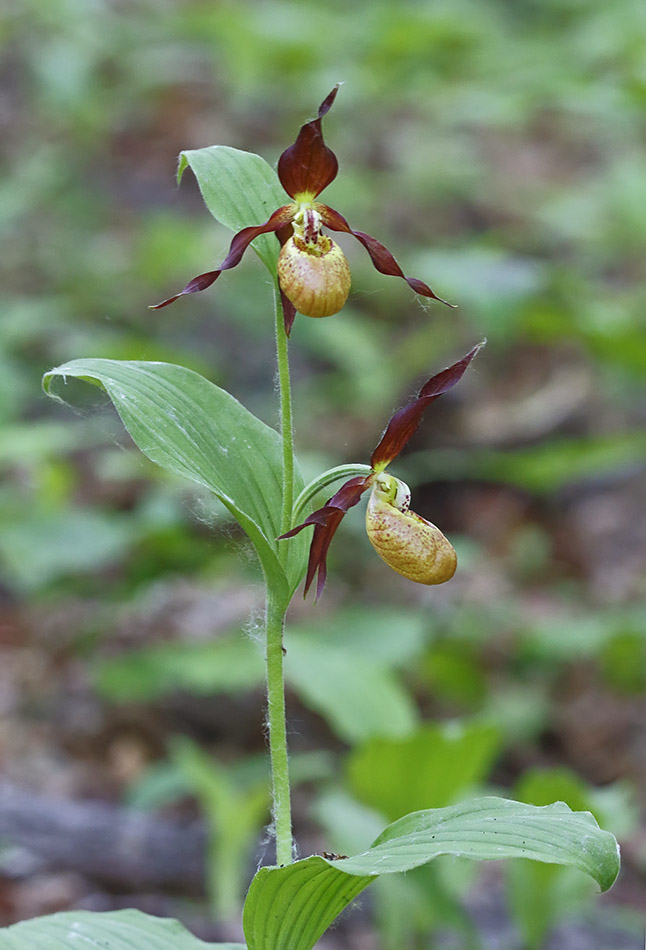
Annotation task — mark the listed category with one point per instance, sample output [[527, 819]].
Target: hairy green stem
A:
[[276, 720], [275, 617]]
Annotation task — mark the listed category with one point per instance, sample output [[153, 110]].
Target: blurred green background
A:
[[497, 148]]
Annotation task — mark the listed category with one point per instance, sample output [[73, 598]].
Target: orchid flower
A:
[[313, 273], [403, 539]]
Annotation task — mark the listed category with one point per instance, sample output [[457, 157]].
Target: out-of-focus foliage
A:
[[116, 931], [498, 150]]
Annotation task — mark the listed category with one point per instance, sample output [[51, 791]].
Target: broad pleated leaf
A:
[[192, 428], [239, 189], [115, 930], [288, 908], [492, 828]]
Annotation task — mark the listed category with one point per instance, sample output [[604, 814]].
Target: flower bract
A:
[[403, 539], [313, 273]]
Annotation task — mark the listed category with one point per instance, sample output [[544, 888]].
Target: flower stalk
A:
[[286, 414], [277, 729], [275, 615]]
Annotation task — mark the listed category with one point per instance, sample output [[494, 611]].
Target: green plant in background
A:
[[193, 428], [234, 811], [541, 895]]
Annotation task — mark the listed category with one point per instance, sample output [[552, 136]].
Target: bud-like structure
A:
[[312, 270], [407, 542]]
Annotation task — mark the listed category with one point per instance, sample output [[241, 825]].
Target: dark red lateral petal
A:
[[201, 282], [308, 166], [380, 256], [239, 245], [318, 552], [326, 520], [405, 421], [345, 498]]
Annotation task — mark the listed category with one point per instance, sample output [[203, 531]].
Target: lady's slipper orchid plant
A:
[[407, 542], [194, 429], [313, 273]]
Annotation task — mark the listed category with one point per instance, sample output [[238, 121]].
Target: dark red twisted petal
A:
[[326, 520], [380, 256], [239, 245], [308, 166], [405, 421]]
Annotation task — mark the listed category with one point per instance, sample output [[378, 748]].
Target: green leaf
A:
[[549, 466], [235, 812], [38, 546], [239, 189], [392, 637], [493, 828], [348, 825], [404, 904], [226, 665], [288, 908], [623, 661], [433, 765], [357, 696], [116, 930], [541, 469], [541, 895], [344, 668], [192, 428]]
